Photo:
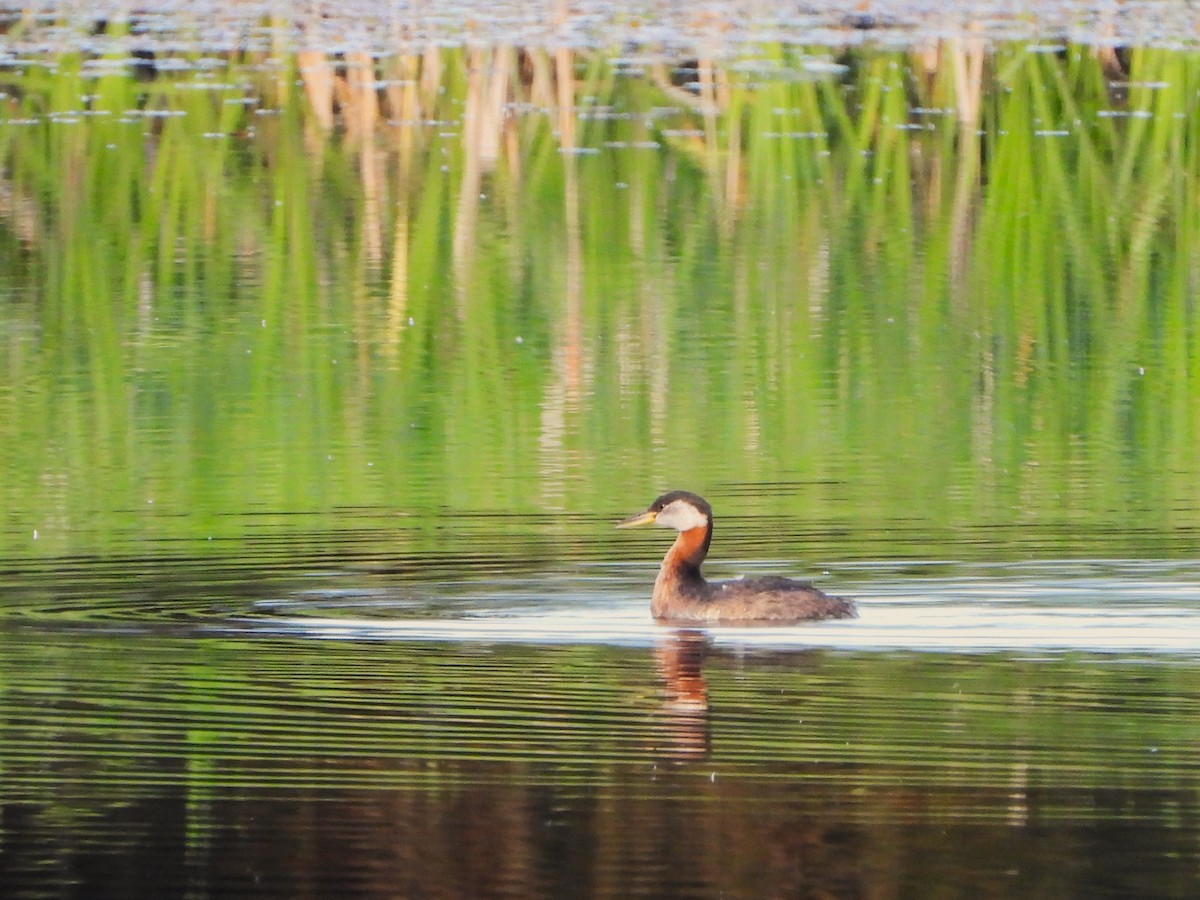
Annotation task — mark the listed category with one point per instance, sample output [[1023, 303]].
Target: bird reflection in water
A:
[[679, 657]]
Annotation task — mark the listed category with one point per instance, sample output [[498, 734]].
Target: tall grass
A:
[[951, 286]]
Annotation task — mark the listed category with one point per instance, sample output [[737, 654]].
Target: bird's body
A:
[[682, 595]]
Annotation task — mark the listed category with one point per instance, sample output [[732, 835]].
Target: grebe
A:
[[682, 595]]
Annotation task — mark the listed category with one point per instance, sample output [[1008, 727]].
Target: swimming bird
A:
[[682, 595]]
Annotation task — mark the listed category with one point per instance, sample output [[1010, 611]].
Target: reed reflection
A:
[[563, 273]]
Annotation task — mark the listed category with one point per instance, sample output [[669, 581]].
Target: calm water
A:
[[324, 378], [501, 727]]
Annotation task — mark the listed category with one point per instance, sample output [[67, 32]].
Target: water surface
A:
[[325, 374]]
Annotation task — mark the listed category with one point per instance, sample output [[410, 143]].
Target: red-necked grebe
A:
[[682, 595]]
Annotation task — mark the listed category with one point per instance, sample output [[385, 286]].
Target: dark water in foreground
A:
[[207, 729]]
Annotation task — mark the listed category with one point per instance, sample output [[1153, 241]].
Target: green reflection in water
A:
[[207, 759], [950, 290], [86, 717]]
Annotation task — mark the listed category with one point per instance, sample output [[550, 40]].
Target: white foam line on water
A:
[[984, 627]]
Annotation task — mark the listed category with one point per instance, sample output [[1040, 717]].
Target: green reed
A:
[[218, 314]]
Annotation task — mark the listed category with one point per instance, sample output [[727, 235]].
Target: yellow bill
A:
[[640, 519]]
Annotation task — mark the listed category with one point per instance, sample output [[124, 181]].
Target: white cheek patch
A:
[[681, 516]]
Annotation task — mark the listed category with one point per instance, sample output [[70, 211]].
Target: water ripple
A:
[[1099, 606]]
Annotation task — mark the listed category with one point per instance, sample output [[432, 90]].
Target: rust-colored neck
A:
[[691, 546], [687, 553], [679, 579]]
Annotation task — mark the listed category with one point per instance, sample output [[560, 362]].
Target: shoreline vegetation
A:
[[972, 251], [724, 29]]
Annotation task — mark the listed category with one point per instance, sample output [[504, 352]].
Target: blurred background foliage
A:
[[928, 290]]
